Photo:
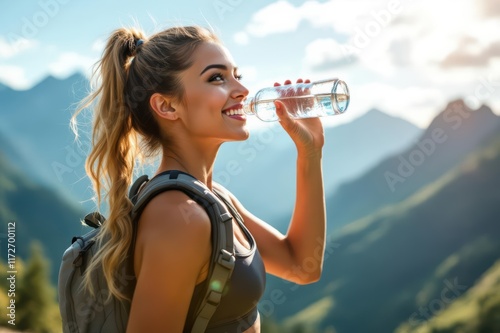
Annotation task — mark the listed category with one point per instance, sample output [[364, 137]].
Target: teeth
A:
[[234, 112]]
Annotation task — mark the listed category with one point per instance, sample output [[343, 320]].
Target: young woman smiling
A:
[[178, 95]]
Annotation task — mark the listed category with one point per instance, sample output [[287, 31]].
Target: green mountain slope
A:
[[477, 310], [455, 133], [383, 269], [38, 213]]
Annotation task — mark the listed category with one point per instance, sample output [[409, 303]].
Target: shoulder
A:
[[172, 222], [174, 210], [172, 248]]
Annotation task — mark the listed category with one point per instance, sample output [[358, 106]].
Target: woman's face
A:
[[213, 95]]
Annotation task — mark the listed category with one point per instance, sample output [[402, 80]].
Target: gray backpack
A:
[[83, 313]]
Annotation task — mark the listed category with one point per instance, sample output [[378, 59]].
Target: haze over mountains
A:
[[393, 266], [36, 123], [39, 213], [453, 135], [410, 212]]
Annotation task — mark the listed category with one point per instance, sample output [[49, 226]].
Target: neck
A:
[[195, 160]]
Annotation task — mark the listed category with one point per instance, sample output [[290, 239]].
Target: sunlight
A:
[[446, 24]]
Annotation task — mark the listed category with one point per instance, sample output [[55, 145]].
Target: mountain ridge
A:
[[38, 125], [360, 276], [474, 311], [38, 213], [442, 234], [447, 141]]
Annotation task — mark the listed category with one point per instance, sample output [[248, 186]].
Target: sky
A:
[[407, 58]]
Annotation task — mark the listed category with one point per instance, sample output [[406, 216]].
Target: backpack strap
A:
[[222, 194], [222, 258]]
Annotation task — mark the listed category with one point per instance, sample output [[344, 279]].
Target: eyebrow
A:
[[220, 66]]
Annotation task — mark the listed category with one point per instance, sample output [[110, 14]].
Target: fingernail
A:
[[279, 110]]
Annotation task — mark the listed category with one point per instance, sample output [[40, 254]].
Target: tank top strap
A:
[[221, 193]]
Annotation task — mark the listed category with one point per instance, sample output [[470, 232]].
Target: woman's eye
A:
[[219, 77], [216, 78]]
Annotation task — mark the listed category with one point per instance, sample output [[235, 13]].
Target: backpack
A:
[[83, 313]]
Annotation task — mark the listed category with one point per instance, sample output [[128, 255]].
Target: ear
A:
[[163, 107]]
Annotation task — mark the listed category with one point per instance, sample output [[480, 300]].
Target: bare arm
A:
[[170, 254], [298, 255]]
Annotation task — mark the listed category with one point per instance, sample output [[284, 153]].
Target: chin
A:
[[241, 135]]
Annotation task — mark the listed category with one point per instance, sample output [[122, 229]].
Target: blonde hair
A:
[[125, 131]]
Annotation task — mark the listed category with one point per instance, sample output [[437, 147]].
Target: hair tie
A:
[[138, 43]]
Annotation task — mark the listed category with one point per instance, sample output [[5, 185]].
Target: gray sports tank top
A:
[[237, 310]]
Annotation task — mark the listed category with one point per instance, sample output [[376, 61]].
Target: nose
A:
[[239, 90]]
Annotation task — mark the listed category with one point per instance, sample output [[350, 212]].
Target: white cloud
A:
[[416, 104], [397, 48], [12, 48], [274, 18], [324, 53], [489, 8], [443, 27], [341, 16], [485, 88], [438, 40], [99, 45], [241, 38], [14, 77], [69, 62]]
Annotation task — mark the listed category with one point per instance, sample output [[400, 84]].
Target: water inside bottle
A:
[[306, 106]]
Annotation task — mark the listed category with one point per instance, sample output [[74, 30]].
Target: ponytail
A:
[[110, 164], [130, 71]]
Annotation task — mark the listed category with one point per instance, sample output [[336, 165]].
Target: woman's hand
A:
[[307, 134]]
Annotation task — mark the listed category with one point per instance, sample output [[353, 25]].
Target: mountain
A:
[[454, 133], [267, 160], [38, 214], [37, 122], [10, 152], [477, 310], [403, 263]]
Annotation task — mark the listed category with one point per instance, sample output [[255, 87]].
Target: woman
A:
[[178, 95]]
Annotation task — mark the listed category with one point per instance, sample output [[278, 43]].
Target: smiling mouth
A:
[[234, 112]]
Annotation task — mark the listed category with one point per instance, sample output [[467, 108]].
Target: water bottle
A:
[[301, 100]]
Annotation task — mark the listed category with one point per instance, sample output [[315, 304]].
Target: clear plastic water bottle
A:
[[301, 100]]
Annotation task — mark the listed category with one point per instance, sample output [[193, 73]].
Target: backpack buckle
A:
[[226, 259], [214, 297], [226, 217]]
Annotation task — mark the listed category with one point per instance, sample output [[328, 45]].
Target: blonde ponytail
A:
[[125, 130], [110, 164]]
